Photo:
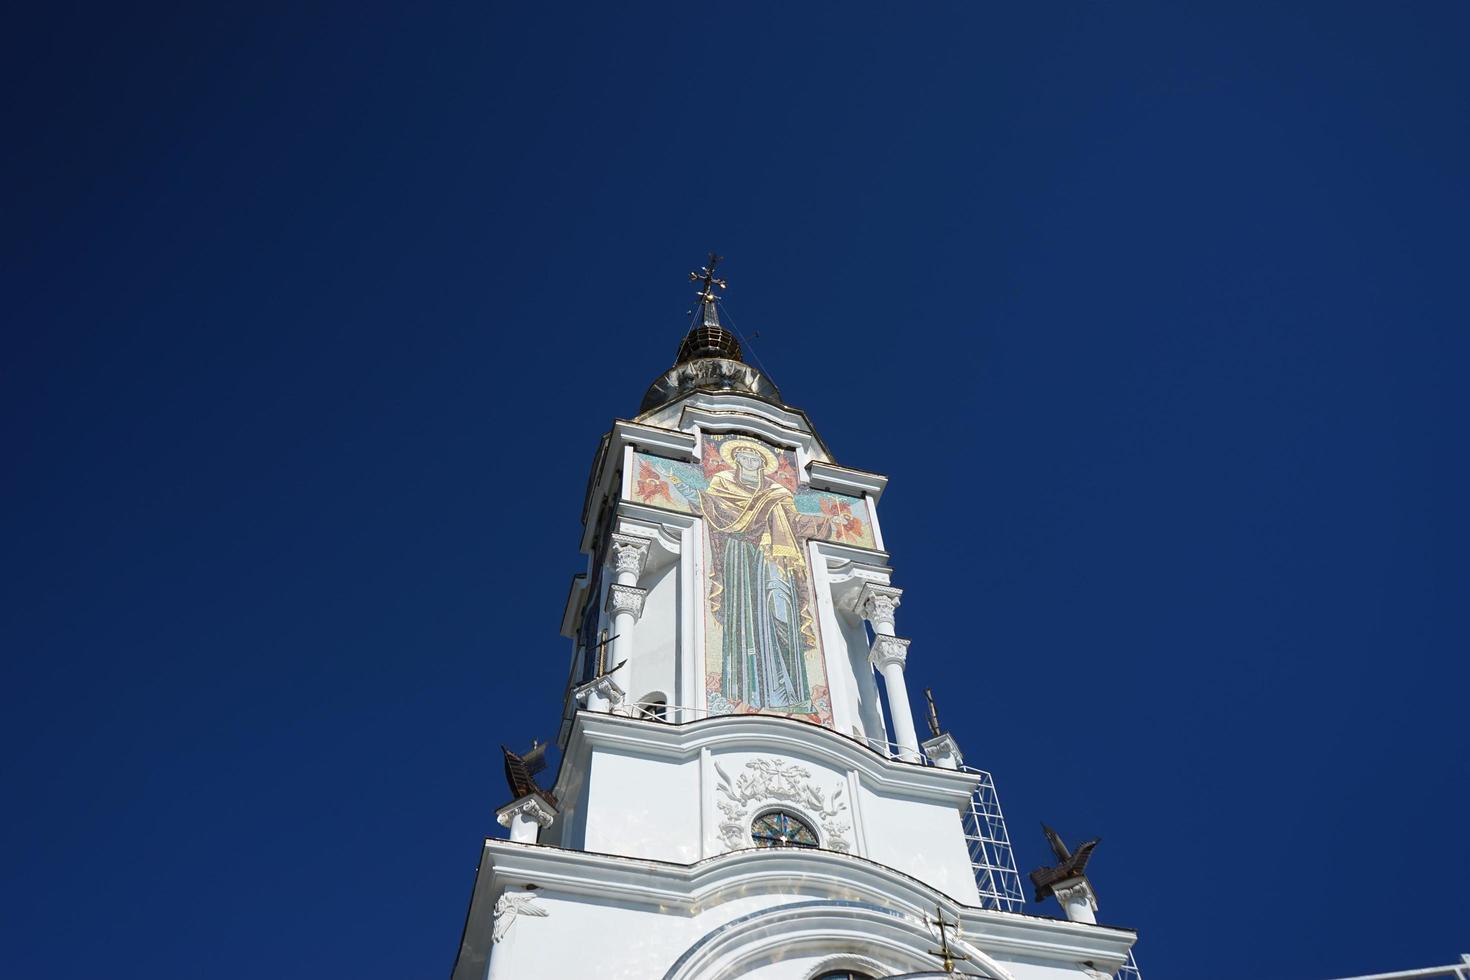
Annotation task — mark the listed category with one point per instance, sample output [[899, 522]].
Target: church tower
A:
[[743, 792]]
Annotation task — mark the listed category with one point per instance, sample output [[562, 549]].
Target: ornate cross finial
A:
[[944, 951], [933, 715], [706, 279]]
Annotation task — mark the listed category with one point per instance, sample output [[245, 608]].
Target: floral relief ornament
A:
[[774, 781]]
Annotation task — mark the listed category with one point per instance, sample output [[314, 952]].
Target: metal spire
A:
[[708, 283], [707, 337]]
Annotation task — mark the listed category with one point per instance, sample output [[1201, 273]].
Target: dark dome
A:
[[708, 340]]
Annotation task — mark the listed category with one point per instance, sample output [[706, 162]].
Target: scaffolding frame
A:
[[994, 860], [989, 843]]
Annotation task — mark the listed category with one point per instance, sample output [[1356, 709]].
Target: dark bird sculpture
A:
[[520, 771], [1069, 864]]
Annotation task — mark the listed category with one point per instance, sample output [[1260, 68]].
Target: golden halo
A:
[[730, 446]]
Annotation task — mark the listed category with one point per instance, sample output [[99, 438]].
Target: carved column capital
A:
[[529, 807], [628, 554], [944, 751], [625, 599], [888, 650], [1076, 895], [878, 605], [599, 694]]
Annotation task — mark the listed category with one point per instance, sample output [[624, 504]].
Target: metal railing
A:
[[1455, 971]]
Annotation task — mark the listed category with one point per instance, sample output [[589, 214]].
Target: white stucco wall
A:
[[681, 793]]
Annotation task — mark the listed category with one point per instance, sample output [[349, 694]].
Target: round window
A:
[[781, 829]]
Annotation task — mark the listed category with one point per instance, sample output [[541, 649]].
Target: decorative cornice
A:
[[878, 603], [530, 806], [628, 553], [856, 483], [888, 650], [625, 599], [767, 735], [667, 886]]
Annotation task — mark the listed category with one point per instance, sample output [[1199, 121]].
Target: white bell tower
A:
[[729, 802]]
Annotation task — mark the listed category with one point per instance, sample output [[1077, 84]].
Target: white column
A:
[[888, 654], [878, 605], [1078, 899], [525, 818], [627, 554], [625, 605]]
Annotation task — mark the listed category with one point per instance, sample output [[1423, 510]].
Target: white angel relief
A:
[[511, 905]]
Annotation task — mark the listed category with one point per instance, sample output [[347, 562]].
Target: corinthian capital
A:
[[530, 807], [888, 650], [625, 599], [1073, 893], [878, 603], [628, 553]]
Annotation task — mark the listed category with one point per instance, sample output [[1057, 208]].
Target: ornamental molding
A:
[[531, 807], [878, 603], [764, 735], [888, 650], [1075, 890], [628, 553], [747, 942], [843, 479], [511, 906], [769, 781], [828, 877], [626, 599], [734, 412]]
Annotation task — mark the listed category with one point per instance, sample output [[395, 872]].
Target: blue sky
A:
[[1154, 315]]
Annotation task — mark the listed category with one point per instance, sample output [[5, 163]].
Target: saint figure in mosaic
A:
[[760, 586]]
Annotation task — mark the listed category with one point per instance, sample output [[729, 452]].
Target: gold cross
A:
[[949, 955], [706, 279], [602, 653]]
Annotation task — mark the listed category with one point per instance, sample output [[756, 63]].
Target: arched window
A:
[[654, 707], [778, 828]]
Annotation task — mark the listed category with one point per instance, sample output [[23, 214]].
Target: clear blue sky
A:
[[1154, 315]]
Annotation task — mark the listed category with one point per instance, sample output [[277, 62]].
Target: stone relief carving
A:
[[625, 598], [510, 906], [879, 603], [888, 649], [629, 553], [767, 781], [1079, 891]]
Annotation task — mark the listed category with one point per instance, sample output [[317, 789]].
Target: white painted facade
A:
[[644, 867]]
